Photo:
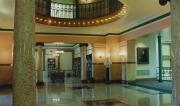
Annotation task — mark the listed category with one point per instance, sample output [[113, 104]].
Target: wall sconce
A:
[[59, 52], [55, 55], [100, 54], [123, 56]]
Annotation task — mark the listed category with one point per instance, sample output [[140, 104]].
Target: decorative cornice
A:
[[80, 22], [70, 34], [141, 25], [102, 35]]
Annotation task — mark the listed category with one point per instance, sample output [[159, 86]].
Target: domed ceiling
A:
[[137, 13]]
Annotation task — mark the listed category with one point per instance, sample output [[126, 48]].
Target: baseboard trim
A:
[[148, 87], [116, 81], [145, 79], [108, 82], [6, 86], [99, 81], [84, 81]]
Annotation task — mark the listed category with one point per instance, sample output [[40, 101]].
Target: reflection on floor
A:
[[81, 87], [106, 102], [165, 86], [93, 95]]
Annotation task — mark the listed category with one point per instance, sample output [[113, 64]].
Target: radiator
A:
[[143, 72]]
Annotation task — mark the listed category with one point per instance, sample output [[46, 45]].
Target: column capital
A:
[[83, 44], [39, 44]]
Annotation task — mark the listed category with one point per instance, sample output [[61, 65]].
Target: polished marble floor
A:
[[165, 86], [72, 93]]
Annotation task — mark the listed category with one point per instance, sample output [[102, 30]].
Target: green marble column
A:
[[44, 59], [24, 92], [83, 62], [175, 26]]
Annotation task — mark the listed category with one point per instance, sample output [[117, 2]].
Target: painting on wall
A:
[[142, 55]]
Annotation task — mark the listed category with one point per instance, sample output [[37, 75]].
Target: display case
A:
[[77, 67], [51, 64]]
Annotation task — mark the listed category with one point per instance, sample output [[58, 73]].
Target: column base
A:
[[92, 80], [108, 82], [40, 83], [84, 81], [107, 76]]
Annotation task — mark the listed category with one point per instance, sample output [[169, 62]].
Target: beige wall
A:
[[70, 39], [98, 57], [99, 72], [116, 73], [66, 61], [6, 45], [99, 52], [113, 48]]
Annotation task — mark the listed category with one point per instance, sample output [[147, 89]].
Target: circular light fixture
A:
[[59, 16]]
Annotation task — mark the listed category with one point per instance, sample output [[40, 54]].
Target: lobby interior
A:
[[89, 53]]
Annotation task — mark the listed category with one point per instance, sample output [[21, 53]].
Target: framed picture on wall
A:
[[142, 55]]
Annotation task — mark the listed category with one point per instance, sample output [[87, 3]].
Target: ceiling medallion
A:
[[79, 15]]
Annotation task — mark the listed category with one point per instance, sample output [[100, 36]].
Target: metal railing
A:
[[77, 11], [166, 73]]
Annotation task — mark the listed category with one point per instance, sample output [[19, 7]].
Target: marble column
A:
[[24, 91], [40, 64], [175, 19], [83, 62]]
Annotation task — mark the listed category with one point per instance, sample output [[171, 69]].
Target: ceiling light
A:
[[59, 51]]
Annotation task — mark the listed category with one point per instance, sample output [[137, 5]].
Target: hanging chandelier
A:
[[59, 50]]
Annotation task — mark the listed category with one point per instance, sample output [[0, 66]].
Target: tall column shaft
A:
[[175, 19], [23, 63], [40, 65], [160, 58], [83, 62], [44, 59]]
